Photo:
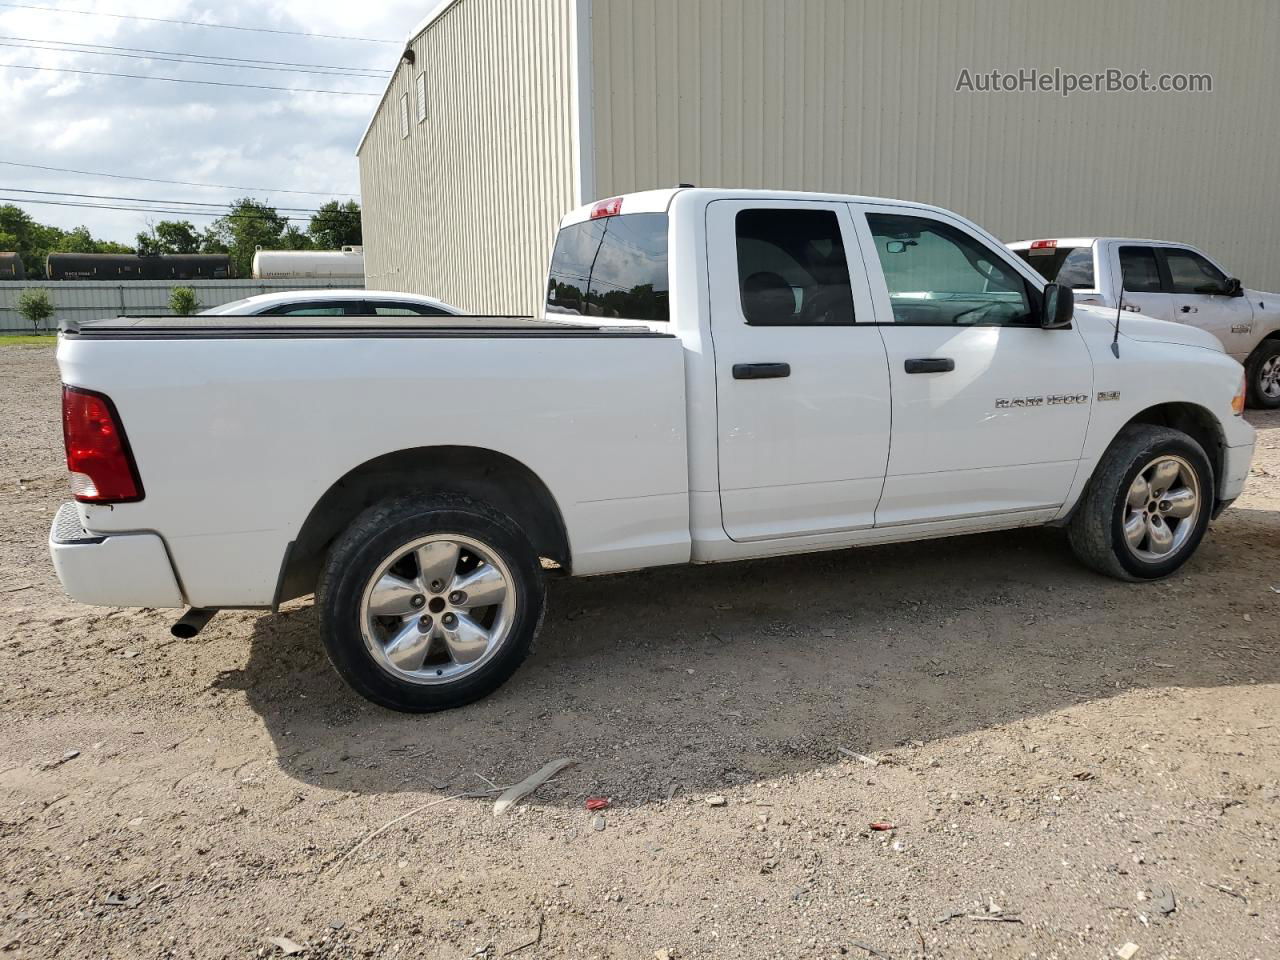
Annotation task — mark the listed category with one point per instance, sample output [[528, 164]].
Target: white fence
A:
[[93, 299]]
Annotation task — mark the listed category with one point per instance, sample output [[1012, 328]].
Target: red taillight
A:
[[1043, 244], [607, 208], [98, 455]]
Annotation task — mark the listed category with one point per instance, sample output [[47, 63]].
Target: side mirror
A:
[[1058, 307], [1235, 288]]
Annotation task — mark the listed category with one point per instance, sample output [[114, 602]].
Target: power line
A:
[[178, 213], [195, 23], [102, 196], [179, 183], [206, 83], [182, 59], [208, 56]]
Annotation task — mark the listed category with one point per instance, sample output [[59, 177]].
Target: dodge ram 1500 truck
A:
[[1170, 281], [718, 375]]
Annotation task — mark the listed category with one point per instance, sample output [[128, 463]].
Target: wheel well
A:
[[498, 480], [1196, 422]]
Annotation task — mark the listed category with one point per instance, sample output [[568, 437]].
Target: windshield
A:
[[611, 267], [1070, 266], [233, 307]]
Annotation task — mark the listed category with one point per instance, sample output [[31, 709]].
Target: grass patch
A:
[[28, 339]]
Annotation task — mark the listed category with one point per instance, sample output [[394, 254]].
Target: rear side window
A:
[[1070, 266], [386, 308], [613, 267], [1139, 269], [325, 309], [792, 269], [1192, 273]]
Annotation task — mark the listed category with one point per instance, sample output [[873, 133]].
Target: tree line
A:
[[247, 225]]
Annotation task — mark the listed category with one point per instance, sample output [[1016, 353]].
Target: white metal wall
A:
[[465, 208], [860, 98], [93, 299]]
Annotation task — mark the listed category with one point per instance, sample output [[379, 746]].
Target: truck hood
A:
[[1138, 326]]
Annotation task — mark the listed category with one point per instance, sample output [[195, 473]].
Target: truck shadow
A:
[[702, 678]]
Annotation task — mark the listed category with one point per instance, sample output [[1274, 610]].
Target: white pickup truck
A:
[[727, 374], [1170, 281]]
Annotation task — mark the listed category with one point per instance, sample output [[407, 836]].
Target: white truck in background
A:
[[731, 374], [1170, 281]]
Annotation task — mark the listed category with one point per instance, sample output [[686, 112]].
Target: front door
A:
[[802, 386], [1198, 291], [989, 410]]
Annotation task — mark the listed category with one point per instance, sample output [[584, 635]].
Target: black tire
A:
[[1253, 375], [1096, 530], [373, 537]]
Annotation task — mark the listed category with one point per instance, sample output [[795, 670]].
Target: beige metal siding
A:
[[860, 97], [465, 207]]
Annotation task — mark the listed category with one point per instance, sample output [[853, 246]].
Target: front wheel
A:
[[1147, 506], [1263, 375], [427, 604]]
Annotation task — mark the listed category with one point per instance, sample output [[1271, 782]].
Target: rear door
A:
[[1140, 273], [1198, 296], [989, 410], [802, 384]]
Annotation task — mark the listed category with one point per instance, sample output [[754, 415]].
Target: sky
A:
[[178, 131]]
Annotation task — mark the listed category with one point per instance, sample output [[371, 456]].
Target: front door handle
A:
[[760, 371], [930, 365], [1190, 309]]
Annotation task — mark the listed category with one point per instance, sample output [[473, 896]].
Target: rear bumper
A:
[[119, 570]]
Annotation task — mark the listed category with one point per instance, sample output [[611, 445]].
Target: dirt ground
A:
[[1058, 753]]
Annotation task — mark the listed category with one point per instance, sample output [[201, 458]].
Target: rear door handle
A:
[[930, 365], [760, 371], [1189, 309]]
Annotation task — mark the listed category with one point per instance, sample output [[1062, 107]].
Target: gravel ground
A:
[[1057, 753]]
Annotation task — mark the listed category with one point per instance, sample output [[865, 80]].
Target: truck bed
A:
[[278, 328]]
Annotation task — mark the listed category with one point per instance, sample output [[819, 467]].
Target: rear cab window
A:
[[1070, 266], [613, 268]]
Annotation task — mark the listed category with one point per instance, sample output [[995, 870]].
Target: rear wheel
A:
[[1263, 374], [1147, 506], [427, 604]]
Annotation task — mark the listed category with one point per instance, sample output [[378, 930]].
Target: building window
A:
[[404, 116], [422, 97]]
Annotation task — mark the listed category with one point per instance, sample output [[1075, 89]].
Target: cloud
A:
[[176, 131]]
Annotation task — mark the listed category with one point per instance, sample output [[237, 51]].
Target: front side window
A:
[[938, 274], [792, 269], [611, 267], [1139, 271], [1192, 273], [1070, 266]]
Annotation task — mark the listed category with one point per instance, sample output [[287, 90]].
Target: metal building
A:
[[502, 115]]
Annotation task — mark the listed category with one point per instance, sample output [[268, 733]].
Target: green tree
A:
[[34, 241], [80, 240], [183, 302], [336, 225], [249, 225], [294, 239], [168, 237], [35, 306]]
